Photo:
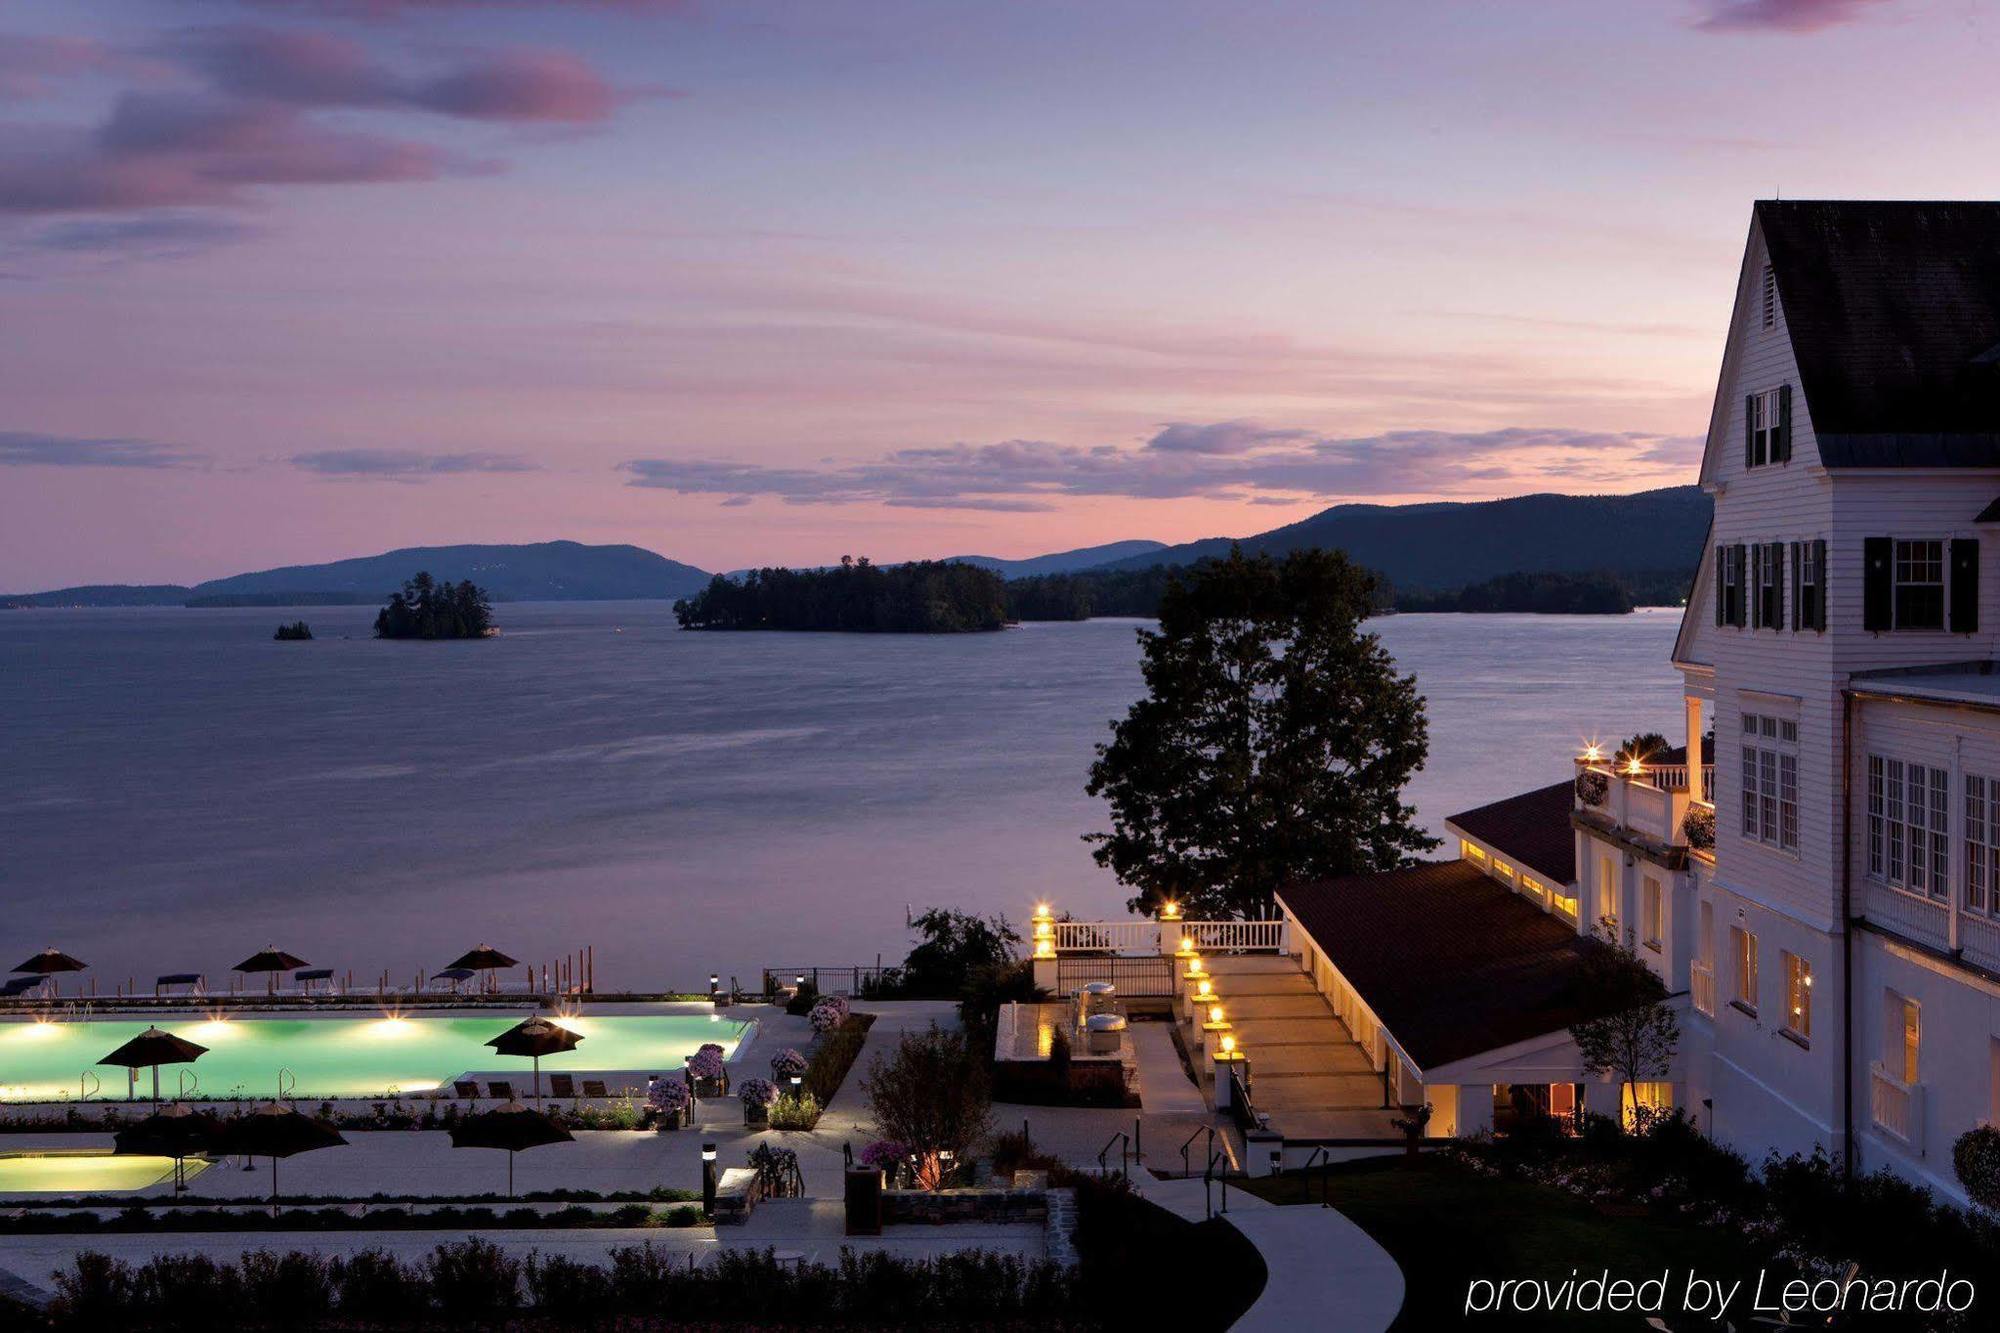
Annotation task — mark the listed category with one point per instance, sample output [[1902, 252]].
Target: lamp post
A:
[[708, 1179]]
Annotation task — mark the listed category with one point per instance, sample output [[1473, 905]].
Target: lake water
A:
[[177, 790]]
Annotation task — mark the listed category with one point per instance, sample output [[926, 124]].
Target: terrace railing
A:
[[1139, 939], [1114, 937], [1253, 936], [1140, 977], [1701, 982]]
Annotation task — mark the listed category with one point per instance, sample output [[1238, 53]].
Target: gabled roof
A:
[[1453, 963], [1990, 514], [1532, 829], [1894, 315]]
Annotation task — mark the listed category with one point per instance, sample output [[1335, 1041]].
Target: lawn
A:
[[1446, 1226]]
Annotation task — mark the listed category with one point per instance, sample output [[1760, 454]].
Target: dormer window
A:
[[1770, 293], [1767, 427]]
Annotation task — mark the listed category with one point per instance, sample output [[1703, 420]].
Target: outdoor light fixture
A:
[[708, 1179], [1187, 944], [1194, 966], [1170, 911], [1228, 1044], [1215, 1013], [1204, 988], [1634, 767], [1592, 753], [796, 1080], [802, 979]]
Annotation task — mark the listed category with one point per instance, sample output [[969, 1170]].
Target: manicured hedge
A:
[[833, 1055]]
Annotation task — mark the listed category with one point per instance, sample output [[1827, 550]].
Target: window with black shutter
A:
[[1919, 575], [1964, 585], [1809, 585]]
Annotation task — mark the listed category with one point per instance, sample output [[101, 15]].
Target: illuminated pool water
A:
[[84, 1172], [335, 1057]]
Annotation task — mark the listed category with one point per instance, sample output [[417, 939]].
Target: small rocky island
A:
[[427, 609], [296, 632]]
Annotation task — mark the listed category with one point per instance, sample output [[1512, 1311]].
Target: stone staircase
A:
[[1307, 1072]]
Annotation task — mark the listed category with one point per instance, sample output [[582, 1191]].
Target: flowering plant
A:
[[829, 1013], [757, 1091], [884, 1154], [788, 1063], [706, 1063], [670, 1096], [1592, 787]]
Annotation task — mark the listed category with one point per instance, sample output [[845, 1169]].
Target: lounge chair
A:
[[500, 1091], [466, 1089], [594, 1087], [562, 1085]]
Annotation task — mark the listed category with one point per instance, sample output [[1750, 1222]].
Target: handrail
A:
[[86, 1090], [1323, 1157], [190, 1083], [1209, 1174], [1187, 1167], [1124, 1156], [288, 1083]]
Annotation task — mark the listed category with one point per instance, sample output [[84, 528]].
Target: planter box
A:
[[756, 1114]]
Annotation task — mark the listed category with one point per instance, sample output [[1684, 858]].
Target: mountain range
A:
[[1421, 546]]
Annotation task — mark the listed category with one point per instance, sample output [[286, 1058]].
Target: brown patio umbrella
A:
[[177, 1132], [276, 1131], [51, 961], [271, 959], [155, 1048], [512, 1128], [485, 958], [536, 1037]]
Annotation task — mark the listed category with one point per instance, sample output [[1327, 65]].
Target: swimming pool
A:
[[84, 1171], [335, 1057]]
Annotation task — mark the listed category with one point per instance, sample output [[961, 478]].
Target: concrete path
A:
[[1325, 1272]]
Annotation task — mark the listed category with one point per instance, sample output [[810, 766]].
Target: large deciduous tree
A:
[[1636, 1033], [1272, 744]]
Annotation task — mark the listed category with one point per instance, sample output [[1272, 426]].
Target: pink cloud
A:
[[30, 66], [1779, 15]]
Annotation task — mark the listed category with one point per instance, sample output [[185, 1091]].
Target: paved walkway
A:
[[1325, 1273]]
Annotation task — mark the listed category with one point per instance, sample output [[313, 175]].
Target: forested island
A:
[[296, 632], [857, 596], [427, 609]]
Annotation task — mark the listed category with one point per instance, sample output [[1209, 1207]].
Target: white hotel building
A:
[[1828, 895], [1823, 901]]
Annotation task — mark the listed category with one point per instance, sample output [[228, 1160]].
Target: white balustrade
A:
[[1143, 938], [1920, 918], [1896, 1107], [1267, 935], [1117, 937], [1701, 984]]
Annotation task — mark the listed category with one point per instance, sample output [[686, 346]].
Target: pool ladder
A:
[[288, 1084], [190, 1083], [88, 1086]]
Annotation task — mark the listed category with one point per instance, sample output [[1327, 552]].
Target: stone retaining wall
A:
[[975, 1205]]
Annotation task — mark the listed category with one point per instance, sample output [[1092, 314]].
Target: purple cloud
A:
[[31, 65], [173, 149], [1031, 474], [28, 449], [148, 235], [1779, 15], [405, 464], [318, 69]]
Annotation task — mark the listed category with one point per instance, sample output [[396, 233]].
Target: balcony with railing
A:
[[1896, 1107], [1701, 985], [1651, 800]]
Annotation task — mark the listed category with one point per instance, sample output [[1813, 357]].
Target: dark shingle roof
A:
[[1533, 828], [1894, 315], [1990, 514], [1451, 961]]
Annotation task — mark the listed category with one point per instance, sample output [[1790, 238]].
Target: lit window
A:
[[1744, 945], [1798, 997], [1912, 1038], [1650, 1098], [1769, 796]]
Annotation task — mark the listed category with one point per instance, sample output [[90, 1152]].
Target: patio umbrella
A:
[[536, 1037], [154, 1047], [512, 1128], [485, 958], [273, 960], [177, 1132], [51, 961], [276, 1131]]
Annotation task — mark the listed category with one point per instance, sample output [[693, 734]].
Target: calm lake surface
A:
[[177, 790]]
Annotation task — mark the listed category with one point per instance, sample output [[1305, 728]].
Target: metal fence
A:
[[1134, 977]]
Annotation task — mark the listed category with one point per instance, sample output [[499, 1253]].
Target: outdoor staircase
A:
[[1308, 1074]]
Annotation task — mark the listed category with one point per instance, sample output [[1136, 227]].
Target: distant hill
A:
[[101, 594], [541, 571], [1438, 546], [1061, 562]]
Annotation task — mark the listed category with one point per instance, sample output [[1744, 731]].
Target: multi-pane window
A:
[[1653, 912], [1798, 997], [1767, 585], [1919, 584], [1982, 844], [1911, 1034], [1765, 423], [1744, 947], [1909, 826], [1809, 585], [1769, 805], [1729, 585]]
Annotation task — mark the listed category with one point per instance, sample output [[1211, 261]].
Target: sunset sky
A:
[[746, 282]]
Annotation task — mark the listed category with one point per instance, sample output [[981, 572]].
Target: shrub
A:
[[799, 1110], [787, 1064], [581, 1291], [833, 1055], [802, 1000], [1975, 1158], [374, 1287], [473, 1278], [757, 1092], [705, 1064], [931, 1093], [884, 1154], [670, 1096]]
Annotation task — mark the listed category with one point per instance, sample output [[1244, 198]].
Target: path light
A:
[[1215, 1014], [1187, 947], [1203, 989], [1194, 967], [708, 1179], [1228, 1044]]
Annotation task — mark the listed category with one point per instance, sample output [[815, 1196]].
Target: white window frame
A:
[[1982, 845], [1905, 560], [1769, 789], [1743, 978], [1909, 827], [1765, 423], [1798, 998]]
